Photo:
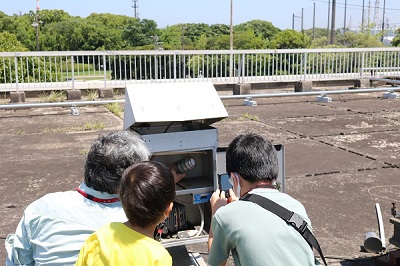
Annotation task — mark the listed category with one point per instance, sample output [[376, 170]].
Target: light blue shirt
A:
[[54, 227], [257, 237]]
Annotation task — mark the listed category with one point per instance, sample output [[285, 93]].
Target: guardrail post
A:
[[305, 66], [105, 71], [73, 72], [362, 65], [16, 71], [16, 96], [176, 52], [155, 67], [230, 66], [243, 70]]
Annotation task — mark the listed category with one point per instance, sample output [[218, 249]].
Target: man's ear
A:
[[169, 209], [235, 177]]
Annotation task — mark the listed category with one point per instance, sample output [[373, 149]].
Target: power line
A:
[[354, 5]]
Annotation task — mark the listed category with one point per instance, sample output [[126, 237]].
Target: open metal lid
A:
[[172, 102]]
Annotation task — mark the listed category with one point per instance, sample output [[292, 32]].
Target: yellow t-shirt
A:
[[117, 244]]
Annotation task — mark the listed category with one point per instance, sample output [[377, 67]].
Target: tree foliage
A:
[[290, 39], [59, 31], [10, 43], [260, 28]]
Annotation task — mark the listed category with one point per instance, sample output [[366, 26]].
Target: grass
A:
[[52, 97], [4, 99], [114, 108], [20, 132], [83, 151], [94, 126], [249, 117], [86, 75], [85, 127], [92, 95]]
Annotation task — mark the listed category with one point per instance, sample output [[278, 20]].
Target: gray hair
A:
[[110, 154]]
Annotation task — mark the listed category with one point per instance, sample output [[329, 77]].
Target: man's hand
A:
[[218, 200], [232, 196], [177, 177]]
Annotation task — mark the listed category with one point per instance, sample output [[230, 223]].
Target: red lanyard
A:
[[93, 198]]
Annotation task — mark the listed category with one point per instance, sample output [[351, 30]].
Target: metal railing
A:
[[105, 69], [227, 97]]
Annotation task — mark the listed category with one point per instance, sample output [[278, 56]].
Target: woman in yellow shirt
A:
[[147, 191]]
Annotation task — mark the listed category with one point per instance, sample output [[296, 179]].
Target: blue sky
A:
[[169, 12]]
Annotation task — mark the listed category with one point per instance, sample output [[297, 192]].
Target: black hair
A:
[[146, 190], [252, 157]]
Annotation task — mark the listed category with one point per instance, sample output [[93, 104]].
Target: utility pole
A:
[[383, 18], [36, 24], [231, 42], [345, 15], [135, 7], [333, 21], [313, 24], [183, 36], [362, 16], [376, 14], [329, 17], [294, 16]]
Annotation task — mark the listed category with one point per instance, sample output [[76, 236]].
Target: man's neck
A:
[[247, 186]]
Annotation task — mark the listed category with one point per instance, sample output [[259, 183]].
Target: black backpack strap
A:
[[289, 217]]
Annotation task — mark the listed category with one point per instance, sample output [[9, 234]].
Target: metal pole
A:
[[73, 72], [345, 14], [333, 21], [105, 71], [380, 225], [383, 18], [329, 17], [175, 65], [231, 42], [302, 19], [183, 37], [313, 24], [16, 72], [36, 24], [37, 38], [243, 96], [293, 22], [362, 16]]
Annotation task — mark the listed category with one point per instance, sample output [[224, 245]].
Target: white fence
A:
[[103, 69]]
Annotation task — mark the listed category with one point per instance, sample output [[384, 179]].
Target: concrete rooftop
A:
[[341, 158]]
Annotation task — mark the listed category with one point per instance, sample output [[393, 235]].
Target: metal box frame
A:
[[174, 119]]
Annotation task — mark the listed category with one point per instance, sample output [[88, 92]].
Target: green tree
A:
[[10, 43], [174, 38], [396, 40], [5, 22], [32, 69], [47, 16], [290, 39], [220, 29], [263, 29], [66, 35], [248, 40], [359, 40], [317, 33], [140, 32], [194, 31], [22, 27]]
